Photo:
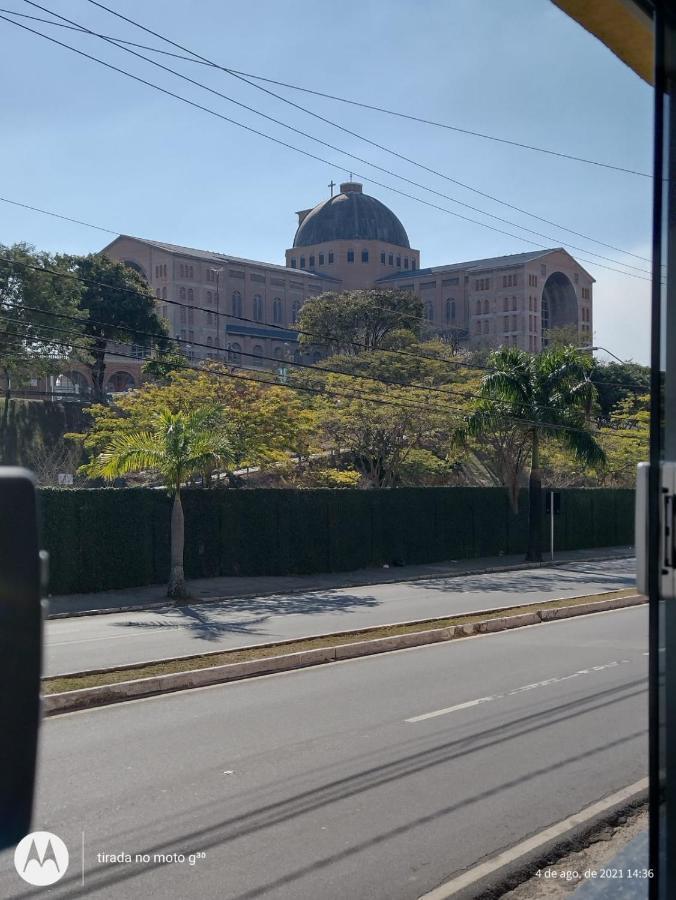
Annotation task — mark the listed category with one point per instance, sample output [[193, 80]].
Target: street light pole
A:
[[605, 350]]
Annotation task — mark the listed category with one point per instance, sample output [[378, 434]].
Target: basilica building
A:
[[243, 311]]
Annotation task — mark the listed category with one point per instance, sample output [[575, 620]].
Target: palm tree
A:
[[548, 394], [177, 447]]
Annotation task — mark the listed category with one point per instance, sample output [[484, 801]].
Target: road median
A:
[[83, 690]]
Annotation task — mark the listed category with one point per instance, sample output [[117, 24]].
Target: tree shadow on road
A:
[[210, 621], [562, 579]]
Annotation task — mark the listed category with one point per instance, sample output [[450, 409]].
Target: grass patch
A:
[[63, 683]]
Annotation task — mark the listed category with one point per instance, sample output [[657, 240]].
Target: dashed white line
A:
[[450, 709], [520, 690]]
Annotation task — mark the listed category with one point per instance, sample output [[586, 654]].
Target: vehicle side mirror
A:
[[20, 651]]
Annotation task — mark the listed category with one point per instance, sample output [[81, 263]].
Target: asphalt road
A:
[[90, 642], [375, 778]]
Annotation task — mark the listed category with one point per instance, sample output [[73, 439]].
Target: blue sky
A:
[[91, 144]]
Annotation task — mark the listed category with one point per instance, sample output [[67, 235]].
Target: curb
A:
[[86, 698], [167, 604], [492, 612], [499, 874]]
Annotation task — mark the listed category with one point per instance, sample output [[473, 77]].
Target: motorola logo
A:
[[41, 858]]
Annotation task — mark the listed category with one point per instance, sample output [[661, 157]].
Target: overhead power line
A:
[[294, 364], [16, 336], [350, 102], [361, 137], [359, 395], [322, 338], [47, 212], [210, 111]]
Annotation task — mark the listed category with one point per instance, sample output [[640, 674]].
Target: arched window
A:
[[258, 353], [295, 309], [279, 353], [136, 267], [191, 295], [450, 310], [209, 297], [258, 308], [429, 312], [478, 307], [164, 293], [505, 304], [235, 353], [487, 306], [120, 381], [277, 310], [181, 293], [72, 383], [157, 292], [237, 305]]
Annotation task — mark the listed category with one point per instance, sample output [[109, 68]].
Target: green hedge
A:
[[116, 538]]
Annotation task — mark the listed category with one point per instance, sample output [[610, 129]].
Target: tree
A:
[[159, 367], [430, 363], [262, 423], [564, 336], [177, 446], [625, 438], [547, 394], [380, 426], [35, 306], [616, 381], [120, 307], [353, 321], [504, 450]]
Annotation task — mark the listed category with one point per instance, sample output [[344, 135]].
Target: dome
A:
[[350, 216]]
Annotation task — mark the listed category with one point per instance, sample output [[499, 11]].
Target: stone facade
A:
[[243, 311], [508, 300]]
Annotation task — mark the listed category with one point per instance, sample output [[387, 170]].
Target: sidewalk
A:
[[225, 588]]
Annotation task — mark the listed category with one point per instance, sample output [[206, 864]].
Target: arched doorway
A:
[[559, 305]]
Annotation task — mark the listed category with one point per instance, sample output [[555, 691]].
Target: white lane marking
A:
[[340, 663], [450, 709], [520, 690], [455, 885]]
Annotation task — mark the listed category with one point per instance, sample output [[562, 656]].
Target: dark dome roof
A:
[[350, 216]]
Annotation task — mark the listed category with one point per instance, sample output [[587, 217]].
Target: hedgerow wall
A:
[[107, 538]]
